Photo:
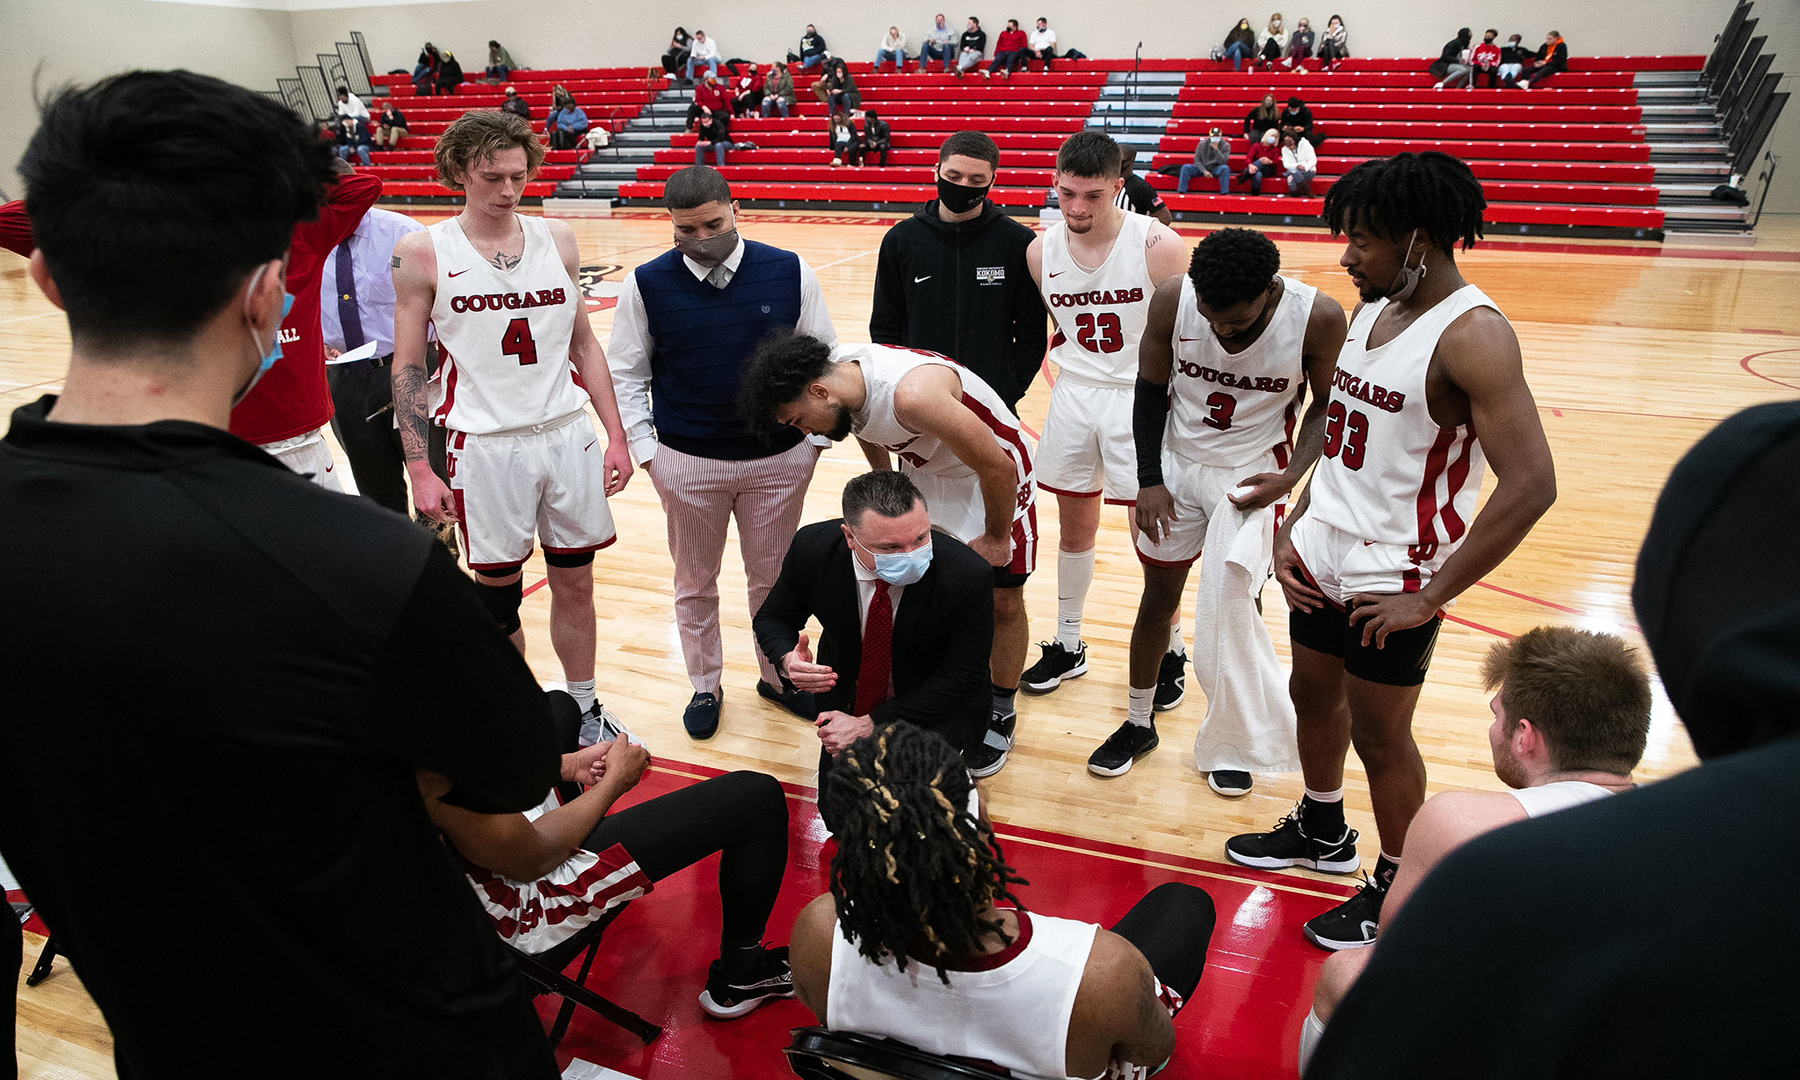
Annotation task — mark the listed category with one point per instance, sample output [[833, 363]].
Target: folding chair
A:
[[545, 970], [818, 1054]]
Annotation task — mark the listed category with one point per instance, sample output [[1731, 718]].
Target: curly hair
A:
[[912, 864], [1393, 196], [1233, 266], [779, 371]]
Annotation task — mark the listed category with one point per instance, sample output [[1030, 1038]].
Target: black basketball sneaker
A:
[[1353, 924], [1289, 845], [728, 999], [990, 757], [1171, 681], [1057, 664], [1122, 749]]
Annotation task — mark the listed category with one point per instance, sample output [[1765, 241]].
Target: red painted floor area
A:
[[1243, 1022]]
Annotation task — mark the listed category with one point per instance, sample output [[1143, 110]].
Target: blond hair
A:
[[477, 136]]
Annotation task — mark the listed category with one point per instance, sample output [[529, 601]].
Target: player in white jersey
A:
[[1386, 535], [520, 365], [955, 439], [1225, 362], [1571, 719], [1097, 270]]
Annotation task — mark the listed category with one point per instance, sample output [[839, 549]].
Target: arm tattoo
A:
[[409, 408], [396, 262], [1154, 237], [506, 262]]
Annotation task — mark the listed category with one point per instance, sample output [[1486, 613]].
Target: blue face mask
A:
[[274, 353], [902, 567]]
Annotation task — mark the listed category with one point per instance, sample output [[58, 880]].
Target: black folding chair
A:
[[818, 1054], [545, 971]]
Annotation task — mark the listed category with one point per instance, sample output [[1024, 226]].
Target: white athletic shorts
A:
[[957, 507], [309, 456], [1086, 448], [1197, 490], [1343, 565], [549, 481]]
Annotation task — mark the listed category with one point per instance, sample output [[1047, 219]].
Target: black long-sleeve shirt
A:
[[964, 291], [216, 683], [974, 39]]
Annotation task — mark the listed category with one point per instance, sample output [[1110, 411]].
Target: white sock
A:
[[1325, 796], [1310, 1033], [1176, 644], [583, 693], [1074, 573], [1395, 859], [1142, 702]]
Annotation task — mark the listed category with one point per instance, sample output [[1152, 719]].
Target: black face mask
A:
[[960, 198]]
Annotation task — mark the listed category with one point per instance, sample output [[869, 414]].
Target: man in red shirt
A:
[[15, 229], [1009, 51], [288, 409]]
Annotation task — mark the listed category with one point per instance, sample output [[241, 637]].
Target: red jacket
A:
[[1486, 56], [1262, 151], [747, 84], [292, 398], [15, 228], [1011, 41], [713, 96]]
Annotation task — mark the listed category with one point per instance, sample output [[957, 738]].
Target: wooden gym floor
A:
[[1633, 352]]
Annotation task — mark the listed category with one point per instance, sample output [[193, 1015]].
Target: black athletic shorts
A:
[[1004, 578], [1403, 661]]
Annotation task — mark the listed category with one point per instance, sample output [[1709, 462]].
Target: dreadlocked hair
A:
[[1392, 196], [913, 866]]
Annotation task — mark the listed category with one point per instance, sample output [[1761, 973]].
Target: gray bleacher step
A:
[[1146, 78], [1693, 172], [1686, 193], [593, 171], [629, 137], [1698, 112], [1681, 132], [1649, 94], [1671, 152], [1134, 106], [1666, 78], [568, 190]]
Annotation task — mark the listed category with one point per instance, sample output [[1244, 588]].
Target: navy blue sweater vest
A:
[[701, 340]]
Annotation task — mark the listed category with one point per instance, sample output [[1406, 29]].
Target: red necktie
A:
[[877, 645]]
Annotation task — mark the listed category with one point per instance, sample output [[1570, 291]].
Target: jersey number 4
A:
[[1345, 433], [517, 342], [1099, 333]]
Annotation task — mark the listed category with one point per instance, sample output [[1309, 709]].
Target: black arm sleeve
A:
[[888, 315], [451, 694], [1149, 414]]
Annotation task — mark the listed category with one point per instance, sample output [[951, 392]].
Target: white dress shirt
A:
[[353, 107], [371, 253], [1041, 39], [628, 350]]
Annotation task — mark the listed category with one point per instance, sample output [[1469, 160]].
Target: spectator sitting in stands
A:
[[1297, 119], [836, 89], [1240, 45], [971, 48], [712, 131], [353, 138], [876, 136], [424, 75], [1265, 117], [449, 72], [902, 805], [1571, 719], [778, 90], [746, 92], [1301, 163], [812, 48], [500, 62], [846, 149], [1336, 46], [674, 61], [1009, 51], [1300, 47], [543, 877], [939, 44], [1138, 197], [703, 50], [516, 105], [1211, 158], [391, 127], [1041, 44], [1513, 57], [1273, 41], [1552, 57], [1265, 158], [1452, 54], [711, 96], [349, 104], [1486, 60], [567, 125], [893, 47]]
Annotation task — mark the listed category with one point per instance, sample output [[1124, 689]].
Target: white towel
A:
[[1249, 723]]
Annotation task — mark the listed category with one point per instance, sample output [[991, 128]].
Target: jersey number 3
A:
[[1099, 333], [517, 341], [1345, 433]]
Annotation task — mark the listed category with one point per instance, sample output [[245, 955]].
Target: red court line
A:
[[1558, 410], [1478, 626], [1745, 364], [541, 582]]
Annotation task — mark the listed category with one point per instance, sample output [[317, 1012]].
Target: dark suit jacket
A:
[[943, 631]]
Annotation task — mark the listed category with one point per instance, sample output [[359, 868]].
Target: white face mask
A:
[[1408, 277]]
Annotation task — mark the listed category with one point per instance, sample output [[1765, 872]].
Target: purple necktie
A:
[[349, 319]]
